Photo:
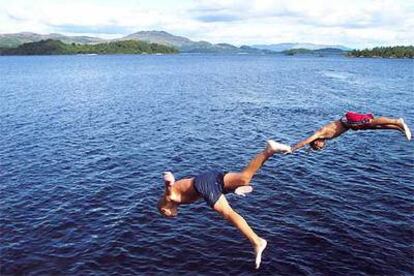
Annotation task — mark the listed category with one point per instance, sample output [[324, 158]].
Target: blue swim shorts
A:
[[210, 185]]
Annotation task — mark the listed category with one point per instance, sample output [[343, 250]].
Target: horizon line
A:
[[159, 31]]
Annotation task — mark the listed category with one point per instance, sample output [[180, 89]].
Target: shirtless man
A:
[[212, 186], [354, 121]]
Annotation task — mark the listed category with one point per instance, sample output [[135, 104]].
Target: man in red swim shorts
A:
[[354, 121]]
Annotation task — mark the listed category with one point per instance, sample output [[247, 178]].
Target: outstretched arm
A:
[[310, 139]]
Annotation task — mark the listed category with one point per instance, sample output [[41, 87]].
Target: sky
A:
[[352, 23]]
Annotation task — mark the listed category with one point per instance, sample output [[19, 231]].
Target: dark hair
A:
[[314, 146]]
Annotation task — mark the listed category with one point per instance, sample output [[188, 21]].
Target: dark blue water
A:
[[84, 140]]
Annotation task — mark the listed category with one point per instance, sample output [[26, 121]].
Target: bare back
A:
[[184, 192], [332, 130]]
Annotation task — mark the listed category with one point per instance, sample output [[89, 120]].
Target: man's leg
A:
[[386, 121], [222, 207], [389, 123], [233, 180], [370, 127]]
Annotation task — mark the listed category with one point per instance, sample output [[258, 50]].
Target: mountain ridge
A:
[[16, 39], [183, 44], [57, 47], [186, 45], [280, 47]]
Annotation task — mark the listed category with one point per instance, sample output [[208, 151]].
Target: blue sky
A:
[[354, 23]]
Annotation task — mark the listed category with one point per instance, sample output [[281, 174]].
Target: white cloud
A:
[[358, 23], [354, 23]]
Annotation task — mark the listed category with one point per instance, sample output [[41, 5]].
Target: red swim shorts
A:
[[354, 119]]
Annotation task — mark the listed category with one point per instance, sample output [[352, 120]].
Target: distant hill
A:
[[186, 45], [183, 44], [280, 47], [385, 52], [160, 37], [14, 40], [319, 52], [57, 47]]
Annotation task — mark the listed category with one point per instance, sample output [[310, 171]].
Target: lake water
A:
[[84, 140]]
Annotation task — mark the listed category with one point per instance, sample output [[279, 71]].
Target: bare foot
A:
[[274, 147], [407, 131], [258, 251]]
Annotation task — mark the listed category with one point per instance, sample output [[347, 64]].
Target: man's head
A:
[[318, 144], [166, 206]]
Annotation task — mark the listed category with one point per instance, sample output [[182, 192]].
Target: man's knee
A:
[[245, 178]]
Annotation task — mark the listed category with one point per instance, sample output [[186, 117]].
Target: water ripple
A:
[[85, 139]]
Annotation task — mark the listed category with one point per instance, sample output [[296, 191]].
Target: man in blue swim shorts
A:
[[212, 186]]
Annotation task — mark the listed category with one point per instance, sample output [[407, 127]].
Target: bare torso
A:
[[183, 191], [332, 130]]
